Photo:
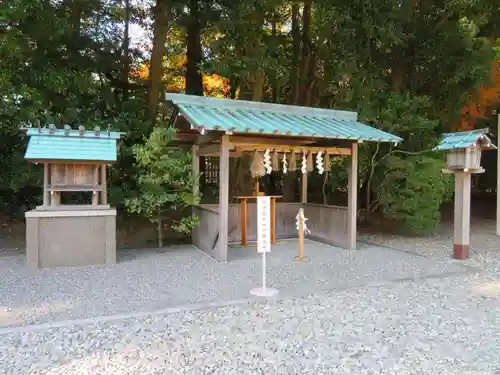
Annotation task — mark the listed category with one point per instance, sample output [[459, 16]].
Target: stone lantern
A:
[[463, 156]]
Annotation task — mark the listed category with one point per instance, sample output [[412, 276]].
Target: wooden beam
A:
[[243, 205], [184, 136], [239, 140], [296, 149], [209, 149], [221, 249], [46, 194], [95, 180], [104, 185], [352, 207], [232, 154], [209, 137], [303, 190], [196, 170]]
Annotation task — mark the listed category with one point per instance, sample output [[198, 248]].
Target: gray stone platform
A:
[[147, 280]]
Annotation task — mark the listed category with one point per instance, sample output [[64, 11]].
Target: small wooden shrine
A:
[[61, 233], [279, 137]]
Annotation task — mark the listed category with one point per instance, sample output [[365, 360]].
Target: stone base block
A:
[[61, 238]]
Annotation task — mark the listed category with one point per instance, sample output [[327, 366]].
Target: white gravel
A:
[[183, 276], [440, 325]]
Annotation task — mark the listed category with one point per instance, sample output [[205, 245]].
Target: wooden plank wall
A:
[[204, 235], [328, 224]]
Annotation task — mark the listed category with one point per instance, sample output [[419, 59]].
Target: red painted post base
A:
[[460, 251]]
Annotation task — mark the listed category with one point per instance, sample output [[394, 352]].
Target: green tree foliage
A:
[[412, 192], [165, 181], [406, 67]]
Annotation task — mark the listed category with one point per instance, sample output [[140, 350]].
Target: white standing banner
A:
[[263, 243], [263, 224]]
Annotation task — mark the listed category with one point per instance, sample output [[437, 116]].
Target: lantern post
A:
[[463, 156]]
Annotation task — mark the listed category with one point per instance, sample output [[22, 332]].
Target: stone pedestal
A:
[[70, 237]]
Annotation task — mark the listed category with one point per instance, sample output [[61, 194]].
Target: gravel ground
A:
[[435, 326], [440, 245], [440, 325], [186, 276]]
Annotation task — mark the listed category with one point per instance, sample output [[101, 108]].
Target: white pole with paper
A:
[[263, 243]]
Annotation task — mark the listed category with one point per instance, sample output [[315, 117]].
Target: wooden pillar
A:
[[196, 170], [352, 208], [257, 187], [221, 250], [461, 225], [104, 185], [243, 206], [303, 190], [46, 179], [95, 180]]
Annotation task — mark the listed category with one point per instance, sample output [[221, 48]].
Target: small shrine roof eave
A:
[[69, 161], [235, 117], [51, 145], [465, 139]]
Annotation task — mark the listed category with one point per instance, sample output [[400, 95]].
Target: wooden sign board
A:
[[263, 224]]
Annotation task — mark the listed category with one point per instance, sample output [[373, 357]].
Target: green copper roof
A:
[[465, 139], [59, 144], [239, 116]]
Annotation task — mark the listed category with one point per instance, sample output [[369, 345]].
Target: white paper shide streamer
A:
[[267, 161], [285, 164], [303, 168], [319, 162], [304, 219]]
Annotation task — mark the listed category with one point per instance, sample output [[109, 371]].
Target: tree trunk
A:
[[311, 81], [161, 13], [398, 70], [306, 61], [403, 55], [233, 89], [126, 48], [295, 73], [258, 81], [194, 79], [274, 34]]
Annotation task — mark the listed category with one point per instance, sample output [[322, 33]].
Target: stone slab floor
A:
[[371, 311]]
